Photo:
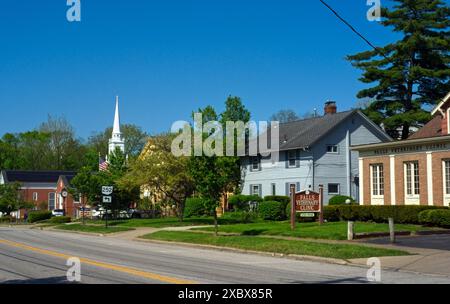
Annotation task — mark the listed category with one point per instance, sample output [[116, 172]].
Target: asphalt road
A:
[[34, 256]]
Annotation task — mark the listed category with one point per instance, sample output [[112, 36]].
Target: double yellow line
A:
[[127, 270]]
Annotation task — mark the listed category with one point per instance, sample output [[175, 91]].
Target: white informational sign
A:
[[107, 199], [107, 190]]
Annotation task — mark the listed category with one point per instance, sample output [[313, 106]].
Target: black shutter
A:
[[297, 158]]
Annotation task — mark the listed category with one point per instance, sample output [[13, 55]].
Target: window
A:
[[447, 176], [255, 165], [412, 178], [35, 196], [292, 158], [333, 188], [274, 189], [51, 200], [377, 180], [332, 149], [255, 190]]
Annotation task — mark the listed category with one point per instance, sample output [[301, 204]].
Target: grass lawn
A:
[[340, 251], [92, 228], [162, 222], [331, 231]]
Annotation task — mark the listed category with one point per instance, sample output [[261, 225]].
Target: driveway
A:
[[439, 242]]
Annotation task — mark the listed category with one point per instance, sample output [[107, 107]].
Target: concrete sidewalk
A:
[[431, 254]]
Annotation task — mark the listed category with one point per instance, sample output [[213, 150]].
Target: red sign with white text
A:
[[307, 201]]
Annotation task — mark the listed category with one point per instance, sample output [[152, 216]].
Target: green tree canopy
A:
[[410, 74]]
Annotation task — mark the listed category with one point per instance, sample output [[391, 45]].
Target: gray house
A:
[[314, 151]]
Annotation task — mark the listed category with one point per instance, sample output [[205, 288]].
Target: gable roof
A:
[[441, 104], [11, 176], [432, 129], [305, 133]]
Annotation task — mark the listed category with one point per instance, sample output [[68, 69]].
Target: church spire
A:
[[116, 128], [116, 140]]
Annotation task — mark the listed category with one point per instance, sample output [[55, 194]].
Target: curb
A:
[[262, 253]]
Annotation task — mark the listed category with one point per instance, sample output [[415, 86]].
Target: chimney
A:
[[330, 107]]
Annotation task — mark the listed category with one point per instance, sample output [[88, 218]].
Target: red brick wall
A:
[[438, 191], [421, 158], [27, 195], [68, 202]]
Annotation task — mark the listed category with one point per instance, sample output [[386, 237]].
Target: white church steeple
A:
[[116, 140]]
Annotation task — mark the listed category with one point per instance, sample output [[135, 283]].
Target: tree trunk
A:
[[216, 226], [405, 130], [181, 211]]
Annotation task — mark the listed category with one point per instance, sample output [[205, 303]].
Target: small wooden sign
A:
[[307, 201]]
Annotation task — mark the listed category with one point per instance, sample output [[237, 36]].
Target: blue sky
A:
[[167, 58]]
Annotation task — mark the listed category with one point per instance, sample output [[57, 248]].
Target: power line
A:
[[353, 29]]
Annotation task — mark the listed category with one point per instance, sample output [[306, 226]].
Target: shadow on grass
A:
[[253, 231]]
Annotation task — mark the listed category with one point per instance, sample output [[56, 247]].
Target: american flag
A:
[[102, 164]]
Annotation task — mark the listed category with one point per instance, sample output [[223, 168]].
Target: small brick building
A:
[[45, 189], [415, 171]]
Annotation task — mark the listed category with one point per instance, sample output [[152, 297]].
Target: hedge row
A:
[[6, 219], [440, 218], [36, 216], [60, 220], [401, 214]]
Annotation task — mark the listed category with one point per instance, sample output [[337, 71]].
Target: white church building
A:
[[116, 140]]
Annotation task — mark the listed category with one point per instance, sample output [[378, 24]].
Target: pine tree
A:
[[410, 74]]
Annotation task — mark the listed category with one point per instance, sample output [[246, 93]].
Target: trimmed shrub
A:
[[60, 220], [278, 198], [195, 207], [331, 214], [401, 214], [242, 202], [340, 200], [440, 218], [272, 210], [424, 217], [37, 216]]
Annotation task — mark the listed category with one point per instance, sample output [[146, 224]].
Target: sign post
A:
[[293, 207], [107, 199]]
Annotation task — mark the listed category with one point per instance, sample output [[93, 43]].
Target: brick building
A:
[[415, 171], [45, 189]]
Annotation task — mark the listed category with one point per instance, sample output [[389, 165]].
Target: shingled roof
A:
[[432, 129], [11, 176], [304, 133]]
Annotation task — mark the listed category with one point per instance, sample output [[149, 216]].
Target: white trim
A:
[[376, 199], [448, 120], [361, 180], [438, 107], [430, 178], [37, 188], [412, 199], [392, 179], [349, 170], [445, 196]]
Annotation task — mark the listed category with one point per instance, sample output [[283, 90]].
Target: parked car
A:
[[57, 212], [100, 213]]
